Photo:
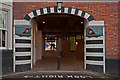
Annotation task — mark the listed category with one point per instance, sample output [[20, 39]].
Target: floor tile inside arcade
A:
[[69, 62]]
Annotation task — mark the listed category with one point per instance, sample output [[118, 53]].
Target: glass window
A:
[[72, 43], [3, 19], [3, 38], [3, 28]]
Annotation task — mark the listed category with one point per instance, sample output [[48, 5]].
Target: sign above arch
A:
[[49, 10]]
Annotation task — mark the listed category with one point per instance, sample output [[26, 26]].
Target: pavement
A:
[[58, 74], [70, 68]]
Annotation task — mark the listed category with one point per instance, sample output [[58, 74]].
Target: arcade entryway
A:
[[49, 27], [63, 42]]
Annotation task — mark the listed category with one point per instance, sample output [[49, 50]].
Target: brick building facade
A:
[[106, 11]]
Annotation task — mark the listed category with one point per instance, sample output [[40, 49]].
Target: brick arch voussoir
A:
[[49, 10]]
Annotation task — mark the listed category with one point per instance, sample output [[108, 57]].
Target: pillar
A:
[[40, 44]]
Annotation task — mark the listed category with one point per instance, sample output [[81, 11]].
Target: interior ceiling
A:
[[60, 23]]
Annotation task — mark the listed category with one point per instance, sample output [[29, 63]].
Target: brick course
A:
[[107, 11]]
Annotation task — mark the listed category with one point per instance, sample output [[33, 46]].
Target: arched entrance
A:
[[62, 36], [90, 43]]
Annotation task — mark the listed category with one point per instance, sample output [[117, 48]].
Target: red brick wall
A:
[[65, 47], [80, 49], [107, 11]]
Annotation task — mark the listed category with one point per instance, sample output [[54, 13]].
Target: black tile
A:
[[62, 9], [94, 41], [55, 9], [35, 13], [23, 57], [94, 58], [48, 9], [90, 18], [76, 11], [69, 9], [22, 67], [22, 49], [83, 14], [27, 17], [22, 41], [96, 68], [41, 10], [94, 49]]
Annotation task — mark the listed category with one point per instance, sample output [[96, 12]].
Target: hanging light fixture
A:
[[59, 4]]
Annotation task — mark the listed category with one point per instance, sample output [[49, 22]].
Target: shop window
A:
[[50, 43], [3, 28], [73, 41], [72, 46]]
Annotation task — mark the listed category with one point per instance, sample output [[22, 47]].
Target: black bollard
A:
[[58, 67]]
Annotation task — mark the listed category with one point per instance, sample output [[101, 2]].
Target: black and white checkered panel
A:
[[49, 10], [22, 53]]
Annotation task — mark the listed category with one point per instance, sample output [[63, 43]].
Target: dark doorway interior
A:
[[68, 28]]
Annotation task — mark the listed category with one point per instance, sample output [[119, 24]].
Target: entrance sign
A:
[[95, 46], [22, 47], [94, 31], [23, 31]]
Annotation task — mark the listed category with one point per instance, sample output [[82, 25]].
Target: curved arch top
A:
[[54, 9]]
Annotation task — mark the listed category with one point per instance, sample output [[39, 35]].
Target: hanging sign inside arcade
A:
[[23, 31], [94, 31]]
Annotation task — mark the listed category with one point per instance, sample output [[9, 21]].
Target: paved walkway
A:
[[66, 63], [70, 68]]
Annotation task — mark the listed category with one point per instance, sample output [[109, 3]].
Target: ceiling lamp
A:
[[43, 22], [81, 22]]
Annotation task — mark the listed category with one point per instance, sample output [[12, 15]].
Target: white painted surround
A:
[[95, 24], [20, 23]]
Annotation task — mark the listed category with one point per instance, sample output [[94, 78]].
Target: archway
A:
[[66, 32], [66, 11], [98, 58]]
